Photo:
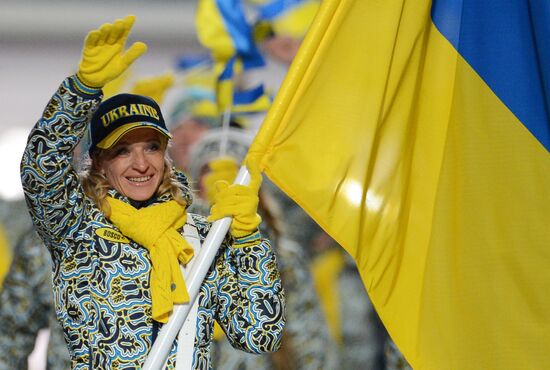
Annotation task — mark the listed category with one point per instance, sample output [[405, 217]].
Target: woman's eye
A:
[[153, 147], [121, 151]]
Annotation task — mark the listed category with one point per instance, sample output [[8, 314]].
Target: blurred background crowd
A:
[[214, 78]]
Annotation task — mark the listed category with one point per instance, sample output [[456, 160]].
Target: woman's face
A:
[[135, 165]]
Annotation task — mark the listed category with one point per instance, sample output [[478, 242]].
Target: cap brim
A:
[[117, 134]]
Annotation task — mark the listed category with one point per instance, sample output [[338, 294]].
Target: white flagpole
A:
[[167, 334], [225, 131]]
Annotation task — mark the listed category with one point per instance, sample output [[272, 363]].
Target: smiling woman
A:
[[117, 232]]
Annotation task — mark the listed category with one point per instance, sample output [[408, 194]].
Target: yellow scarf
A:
[[155, 228]]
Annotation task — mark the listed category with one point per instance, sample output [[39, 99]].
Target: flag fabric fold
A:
[[416, 135]]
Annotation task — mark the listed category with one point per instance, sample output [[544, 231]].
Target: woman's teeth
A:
[[139, 179]]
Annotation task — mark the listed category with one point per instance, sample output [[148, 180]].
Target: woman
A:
[[115, 232]]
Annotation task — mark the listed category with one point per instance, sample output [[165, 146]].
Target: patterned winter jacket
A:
[[101, 279]]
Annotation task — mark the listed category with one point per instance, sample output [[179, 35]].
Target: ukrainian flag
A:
[[253, 100], [229, 98], [226, 86], [223, 29], [417, 134]]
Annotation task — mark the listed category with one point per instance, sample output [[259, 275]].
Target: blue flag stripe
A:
[[227, 72], [276, 8], [248, 96]]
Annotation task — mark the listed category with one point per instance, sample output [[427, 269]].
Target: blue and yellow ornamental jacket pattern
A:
[[101, 285]]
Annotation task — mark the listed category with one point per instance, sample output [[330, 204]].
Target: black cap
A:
[[122, 113]]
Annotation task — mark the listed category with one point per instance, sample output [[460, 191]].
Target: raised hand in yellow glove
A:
[[104, 56], [154, 87], [222, 168], [239, 202]]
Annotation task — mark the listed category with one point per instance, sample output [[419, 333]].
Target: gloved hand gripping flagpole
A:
[[161, 348]]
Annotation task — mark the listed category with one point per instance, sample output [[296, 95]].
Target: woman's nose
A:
[[140, 161]]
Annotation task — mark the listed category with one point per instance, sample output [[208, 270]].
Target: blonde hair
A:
[[96, 186]]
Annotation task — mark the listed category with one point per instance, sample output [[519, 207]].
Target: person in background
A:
[[353, 321], [115, 231], [279, 28], [188, 119], [306, 341], [14, 222], [26, 306]]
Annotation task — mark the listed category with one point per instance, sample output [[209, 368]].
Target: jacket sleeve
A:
[[250, 295], [52, 189]]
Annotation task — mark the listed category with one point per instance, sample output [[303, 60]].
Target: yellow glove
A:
[[103, 54], [239, 202], [223, 168], [154, 87]]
